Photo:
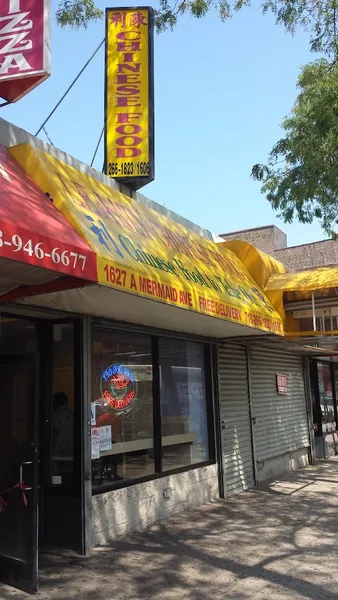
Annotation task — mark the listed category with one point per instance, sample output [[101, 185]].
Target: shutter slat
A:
[[234, 408]]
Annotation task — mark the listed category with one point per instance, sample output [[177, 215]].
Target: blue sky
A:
[[221, 91]]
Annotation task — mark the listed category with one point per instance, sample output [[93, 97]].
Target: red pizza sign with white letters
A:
[[24, 46]]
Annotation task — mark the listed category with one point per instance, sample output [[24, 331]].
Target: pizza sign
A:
[[119, 387]]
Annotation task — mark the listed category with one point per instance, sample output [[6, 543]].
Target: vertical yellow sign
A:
[[129, 139]]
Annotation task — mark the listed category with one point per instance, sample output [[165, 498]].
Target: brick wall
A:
[[262, 238], [317, 254], [267, 239]]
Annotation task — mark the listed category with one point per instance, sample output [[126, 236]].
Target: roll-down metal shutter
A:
[[235, 418], [281, 423]]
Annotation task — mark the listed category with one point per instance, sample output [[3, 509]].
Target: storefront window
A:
[[183, 404], [327, 404], [122, 407], [146, 422]]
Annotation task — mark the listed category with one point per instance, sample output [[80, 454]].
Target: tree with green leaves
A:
[[80, 13], [77, 13], [300, 179], [316, 16]]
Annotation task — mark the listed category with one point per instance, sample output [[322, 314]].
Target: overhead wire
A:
[[97, 147], [69, 88]]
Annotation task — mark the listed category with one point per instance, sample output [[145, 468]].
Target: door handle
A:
[[253, 420], [25, 487]]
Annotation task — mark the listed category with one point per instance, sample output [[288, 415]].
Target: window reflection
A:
[[183, 404]]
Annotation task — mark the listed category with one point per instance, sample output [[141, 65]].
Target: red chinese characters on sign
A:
[[24, 46], [134, 19], [282, 383]]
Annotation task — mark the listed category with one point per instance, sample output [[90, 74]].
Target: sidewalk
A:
[[279, 542]]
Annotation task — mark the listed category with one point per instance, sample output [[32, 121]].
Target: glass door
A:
[[61, 457], [18, 461]]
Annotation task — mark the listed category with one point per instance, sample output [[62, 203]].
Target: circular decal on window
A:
[[119, 387]]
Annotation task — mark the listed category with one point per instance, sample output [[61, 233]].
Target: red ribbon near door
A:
[[20, 486]]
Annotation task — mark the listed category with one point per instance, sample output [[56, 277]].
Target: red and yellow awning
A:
[[144, 253], [36, 235]]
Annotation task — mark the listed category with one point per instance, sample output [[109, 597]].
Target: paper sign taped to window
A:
[[95, 443], [93, 413], [105, 438]]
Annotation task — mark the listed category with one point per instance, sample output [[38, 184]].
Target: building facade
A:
[[145, 371], [111, 313]]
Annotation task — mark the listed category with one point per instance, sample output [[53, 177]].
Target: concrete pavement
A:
[[277, 542]]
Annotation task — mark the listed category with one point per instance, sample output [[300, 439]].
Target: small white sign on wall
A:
[[282, 383]]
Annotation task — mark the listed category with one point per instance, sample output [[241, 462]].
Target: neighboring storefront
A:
[[324, 382], [116, 415], [311, 313], [264, 412], [278, 401]]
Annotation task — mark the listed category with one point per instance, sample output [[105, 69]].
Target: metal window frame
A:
[[308, 396], [330, 365], [86, 458], [334, 369], [313, 365], [157, 417]]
